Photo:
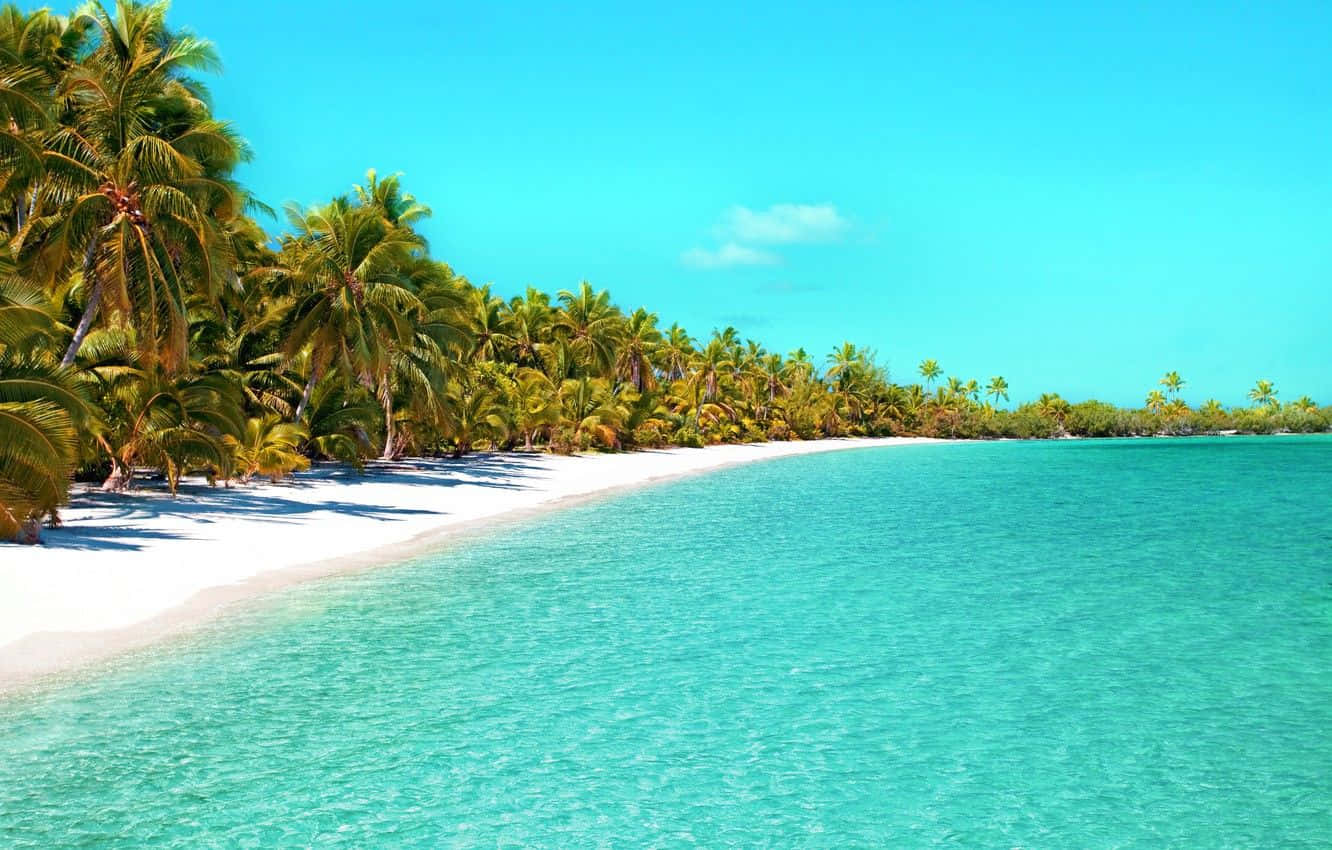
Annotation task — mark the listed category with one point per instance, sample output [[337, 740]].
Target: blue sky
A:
[[1076, 196]]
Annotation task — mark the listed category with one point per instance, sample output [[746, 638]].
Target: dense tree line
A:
[[149, 325]]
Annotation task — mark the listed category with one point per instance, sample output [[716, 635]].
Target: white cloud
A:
[[781, 223], [730, 254]]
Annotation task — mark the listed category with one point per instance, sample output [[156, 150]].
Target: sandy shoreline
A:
[[128, 570]]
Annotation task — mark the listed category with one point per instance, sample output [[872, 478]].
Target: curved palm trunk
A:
[[306, 393], [119, 480], [85, 325], [89, 310]]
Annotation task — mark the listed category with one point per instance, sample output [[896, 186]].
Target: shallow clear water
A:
[[1091, 644]]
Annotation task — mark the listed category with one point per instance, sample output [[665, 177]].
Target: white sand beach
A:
[[126, 570]]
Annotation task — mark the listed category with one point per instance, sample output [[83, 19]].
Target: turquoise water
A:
[[1089, 644]]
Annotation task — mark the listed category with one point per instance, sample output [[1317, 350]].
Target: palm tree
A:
[[589, 413], [1304, 403], [268, 446], [1156, 401], [357, 298], [774, 374], [1053, 407], [136, 193], [471, 413], [997, 389], [534, 404], [528, 320], [36, 50], [591, 325], [487, 326], [929, 370], [1173, 383], [633, 360], [398, 208], [171, 422], [799, 365], [972, 389], [844, 363], [1264, 393], [42, 412], [674, 353], [710, 364]]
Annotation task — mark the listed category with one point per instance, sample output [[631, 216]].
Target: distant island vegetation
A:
[[149, 325]]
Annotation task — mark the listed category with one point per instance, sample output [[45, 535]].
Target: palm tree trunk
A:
[[306, 393], [119, 479], [388, 429], [527, 439], [89, 310], [23, 216]]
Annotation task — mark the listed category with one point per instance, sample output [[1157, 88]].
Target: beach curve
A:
[[127, 571]]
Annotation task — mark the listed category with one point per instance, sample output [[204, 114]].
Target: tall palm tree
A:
[[844, 364], [997, 389], [488, 325], [358, 297], [929, 370], [528, 320], [800, 366], [136, 190], [956, 389], [674, 353], [36, 49], [592, 326], [399, 208], [1053, 407], [534, 403], [1173, 383], [710, 364], [1264, 393], [972, 389], [1156, 401], [633, 360]]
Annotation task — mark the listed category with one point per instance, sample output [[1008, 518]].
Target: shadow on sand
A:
[[200, 503]]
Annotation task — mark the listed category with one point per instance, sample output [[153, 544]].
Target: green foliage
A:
[[268, 447]]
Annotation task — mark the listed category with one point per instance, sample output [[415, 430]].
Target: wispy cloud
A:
[[784, 223], [730, 254]]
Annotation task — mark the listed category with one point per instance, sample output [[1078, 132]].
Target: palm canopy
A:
[[356, 295], [42, 412], [591, 325], [135, 191], [930, 371], [1264, 393]]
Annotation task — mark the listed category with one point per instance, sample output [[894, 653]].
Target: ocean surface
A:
[[1055, 644]]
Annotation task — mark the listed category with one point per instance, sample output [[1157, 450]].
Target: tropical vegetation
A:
[[149, 326]]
